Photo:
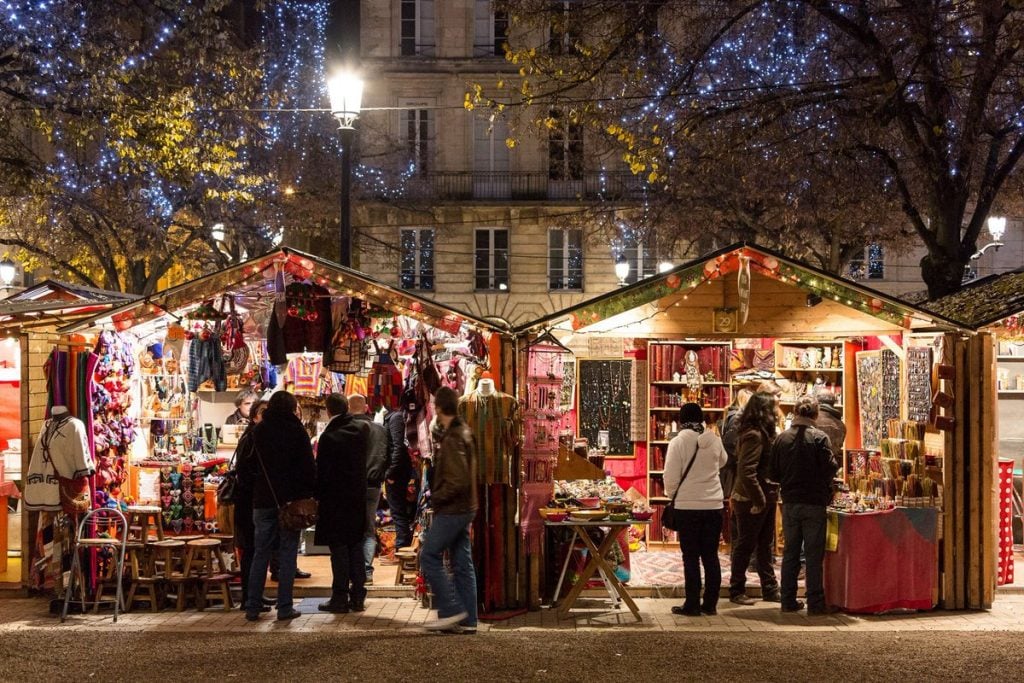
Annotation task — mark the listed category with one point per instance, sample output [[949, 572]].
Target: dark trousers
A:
[[803, 526], [403, 512], [754, 537], [246, 569], [348, 582], [698, 539]]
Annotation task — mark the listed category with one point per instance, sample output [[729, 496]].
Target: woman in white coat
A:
[[695, 456]]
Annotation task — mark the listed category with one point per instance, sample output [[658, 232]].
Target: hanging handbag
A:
[[295, 515], [670, 517], [228, 483], [74, 495], [234, 350]]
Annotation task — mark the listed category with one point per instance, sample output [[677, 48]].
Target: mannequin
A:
[[494, 419], [485, 387], [61, 451]]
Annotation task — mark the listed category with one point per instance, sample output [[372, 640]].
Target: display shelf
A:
[[1011, 358], [784, 369], [1011, 392], [667, 360], [825, 363]]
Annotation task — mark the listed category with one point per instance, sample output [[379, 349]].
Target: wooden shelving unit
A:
[[810, 366], [668, 389]]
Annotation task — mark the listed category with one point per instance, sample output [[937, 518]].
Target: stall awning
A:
[[255, 278], [678, 282], [54, 302], [983, 302]]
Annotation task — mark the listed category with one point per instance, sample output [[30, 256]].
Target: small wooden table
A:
[[596, 564]]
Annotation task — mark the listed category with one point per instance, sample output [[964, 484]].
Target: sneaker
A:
[[743, 599], [333, 607], [288, 614], [795, 607], [685, 611], [445, 623], [252, 616], [771, 595], [821, 611]]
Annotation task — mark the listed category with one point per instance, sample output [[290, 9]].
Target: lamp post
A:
[[346, 93], [622, 270], [8, 271], [996, 229]]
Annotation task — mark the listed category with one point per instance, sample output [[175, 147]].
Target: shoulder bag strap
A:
[[265, 476], [685, 472]]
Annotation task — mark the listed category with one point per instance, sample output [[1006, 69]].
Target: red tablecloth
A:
[[884, 561]]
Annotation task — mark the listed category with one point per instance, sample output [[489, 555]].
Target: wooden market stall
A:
[[28, 327], [169, 421], [743, 315]]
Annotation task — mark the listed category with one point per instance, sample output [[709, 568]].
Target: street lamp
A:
[[622, 270], [8, 271], [665, 266], [346, 92], [996, 229]]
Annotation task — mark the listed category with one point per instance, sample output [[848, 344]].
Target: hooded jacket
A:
[[752, 450], [702, 489]]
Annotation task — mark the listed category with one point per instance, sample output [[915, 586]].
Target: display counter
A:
[[883, 561]]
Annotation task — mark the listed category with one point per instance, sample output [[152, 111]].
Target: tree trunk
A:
[[943, 273]]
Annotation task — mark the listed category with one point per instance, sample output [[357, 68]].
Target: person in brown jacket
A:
[[453, 498], [754, 501], [830, 421]]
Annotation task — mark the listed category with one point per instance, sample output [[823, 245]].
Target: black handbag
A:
[[670, 518], [295, 515], [226, 487]]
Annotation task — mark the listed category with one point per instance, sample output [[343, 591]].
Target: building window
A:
[[563, 32], [565, 148], [642, 256], [417, 25], [565, 259], [490, 30], [417, 131], [869, 264], [491, 272], [417, 268]]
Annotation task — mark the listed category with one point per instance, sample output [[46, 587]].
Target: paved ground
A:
[[385, 643]]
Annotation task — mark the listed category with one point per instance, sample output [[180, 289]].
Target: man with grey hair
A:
[[376, 468], [802, 462], [830, 421]]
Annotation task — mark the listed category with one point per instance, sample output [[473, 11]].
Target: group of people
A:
[[354, 458], [746, 471]]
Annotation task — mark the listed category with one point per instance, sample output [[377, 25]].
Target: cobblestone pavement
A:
[[386, 643]]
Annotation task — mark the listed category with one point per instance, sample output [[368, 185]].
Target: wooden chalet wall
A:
[[777, 309], [969, 519]]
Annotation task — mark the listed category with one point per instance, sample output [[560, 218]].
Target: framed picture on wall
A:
[[605, 404]]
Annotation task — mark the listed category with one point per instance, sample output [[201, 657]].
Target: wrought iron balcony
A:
[[476, 186]]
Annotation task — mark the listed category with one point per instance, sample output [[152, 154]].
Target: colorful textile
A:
[[62, 450], [497, 427], [206, 361], [304, 374]]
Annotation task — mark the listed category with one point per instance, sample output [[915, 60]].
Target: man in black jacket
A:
[[284, 471], [400, 480], [376, 468], [803, 463], [341, 493]]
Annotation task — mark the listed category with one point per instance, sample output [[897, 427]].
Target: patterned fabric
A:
[[385, 384], [206, 361], [304, 375], [497, 426]]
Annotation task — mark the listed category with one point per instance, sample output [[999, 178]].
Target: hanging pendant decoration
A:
[[743, 284], [280, 301]]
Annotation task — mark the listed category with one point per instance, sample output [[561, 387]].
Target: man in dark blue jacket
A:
[[802, 462]]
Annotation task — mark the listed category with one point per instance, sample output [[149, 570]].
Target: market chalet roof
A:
[[254, 279], [983, 302], [765, 261], [55, 301]]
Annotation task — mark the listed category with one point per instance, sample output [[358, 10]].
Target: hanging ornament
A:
[[281, 311], [743, 284]]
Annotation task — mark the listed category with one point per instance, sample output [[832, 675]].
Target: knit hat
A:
[[691, 413]]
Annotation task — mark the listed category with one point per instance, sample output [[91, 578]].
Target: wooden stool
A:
[[408, 566], [142, 564], [169, 567], [110, 578], [140, 517], [206, 563]]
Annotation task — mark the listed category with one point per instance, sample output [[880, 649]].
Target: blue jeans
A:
[[451, 533], [803, 527], [270, 537], [403, 513], [370, 540]]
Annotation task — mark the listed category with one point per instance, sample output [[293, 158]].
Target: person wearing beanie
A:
[[695, 456]]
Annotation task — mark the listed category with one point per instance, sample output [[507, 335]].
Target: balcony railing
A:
[[473, 186]]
